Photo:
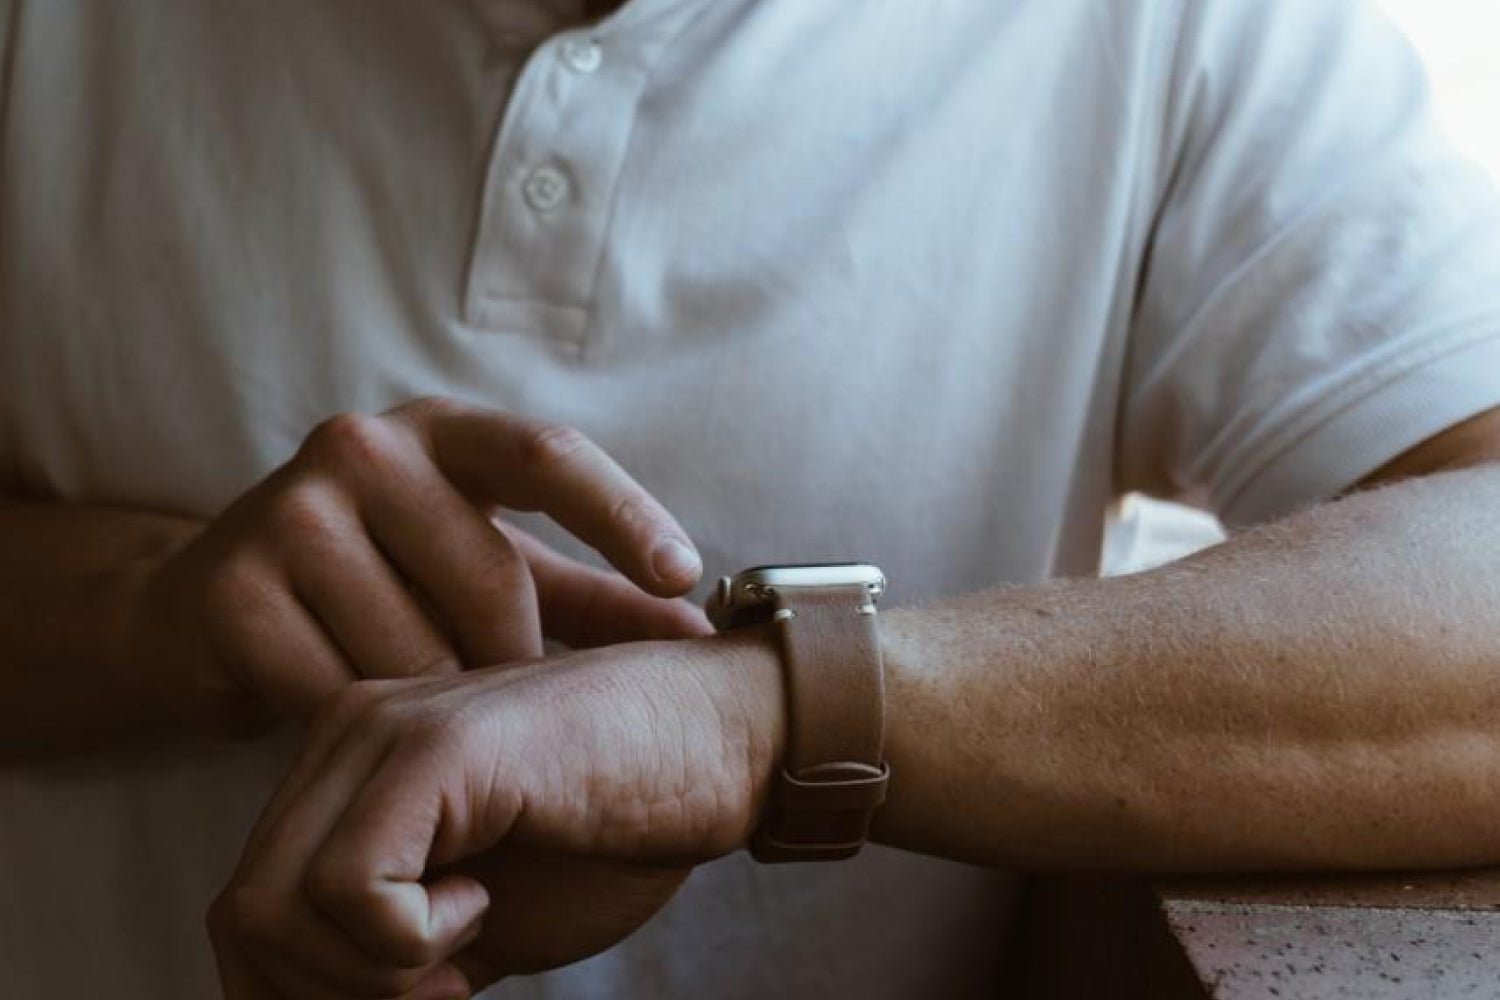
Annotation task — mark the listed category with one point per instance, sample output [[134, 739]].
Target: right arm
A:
[[68, 574], [372, 553]]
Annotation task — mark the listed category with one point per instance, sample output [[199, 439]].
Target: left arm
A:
[[1320, 692]]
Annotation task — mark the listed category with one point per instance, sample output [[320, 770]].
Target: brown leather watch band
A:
[[834, 775]]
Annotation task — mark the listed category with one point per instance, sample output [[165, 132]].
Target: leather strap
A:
[[834, 775]]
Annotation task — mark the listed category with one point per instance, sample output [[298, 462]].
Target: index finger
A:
[[533, 465]]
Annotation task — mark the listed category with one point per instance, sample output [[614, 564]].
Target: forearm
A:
[[1322, 692], [66, 574]]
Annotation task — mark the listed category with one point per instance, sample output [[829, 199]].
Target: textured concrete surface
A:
[[1244, 950]]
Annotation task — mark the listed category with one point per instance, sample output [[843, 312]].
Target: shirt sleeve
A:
[[1322, 288]]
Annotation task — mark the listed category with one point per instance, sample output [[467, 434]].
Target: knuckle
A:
[[333, 885], [301, 516], [244, 918], [331, 882], [631, 512], [232, 589], [545, 445], [356, 440]]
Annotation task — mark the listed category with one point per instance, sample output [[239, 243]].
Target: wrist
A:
[[96, 634], [751, 684], [161, 658], [134, 655], [898, 645], [832, 774]]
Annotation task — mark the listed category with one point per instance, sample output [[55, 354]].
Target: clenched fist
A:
[[438, 833]]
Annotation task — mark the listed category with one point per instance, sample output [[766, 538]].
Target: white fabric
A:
[[995, 260]]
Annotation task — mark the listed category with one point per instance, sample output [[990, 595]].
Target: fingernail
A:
[[674, 560]]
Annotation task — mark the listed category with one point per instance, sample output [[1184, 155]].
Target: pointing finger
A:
[[537, 466]]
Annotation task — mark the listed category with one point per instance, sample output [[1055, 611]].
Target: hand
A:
[[372, 554], [425, 842]]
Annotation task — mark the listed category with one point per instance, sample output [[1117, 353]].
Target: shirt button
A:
[[583, 55], [546, 188]]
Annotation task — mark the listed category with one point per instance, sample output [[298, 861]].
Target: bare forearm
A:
[[65, 573], [1324, 692]]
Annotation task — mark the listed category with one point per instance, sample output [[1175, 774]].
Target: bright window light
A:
[[1460, 42]]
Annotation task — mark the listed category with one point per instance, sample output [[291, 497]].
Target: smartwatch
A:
[[834, 774]]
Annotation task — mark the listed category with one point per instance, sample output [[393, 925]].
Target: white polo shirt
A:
[[926, 282]]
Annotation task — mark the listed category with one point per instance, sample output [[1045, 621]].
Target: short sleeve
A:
[[1322, 287]]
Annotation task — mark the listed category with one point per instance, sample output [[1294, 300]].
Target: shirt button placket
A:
[[553, 172]]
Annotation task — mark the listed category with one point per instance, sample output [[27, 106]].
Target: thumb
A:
[[584, 607]]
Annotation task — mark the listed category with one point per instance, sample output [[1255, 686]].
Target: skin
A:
[[445, 828], [373, 553], [1317, 693]]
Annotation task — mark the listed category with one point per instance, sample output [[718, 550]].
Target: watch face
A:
[[746, 597], [811, 575]]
